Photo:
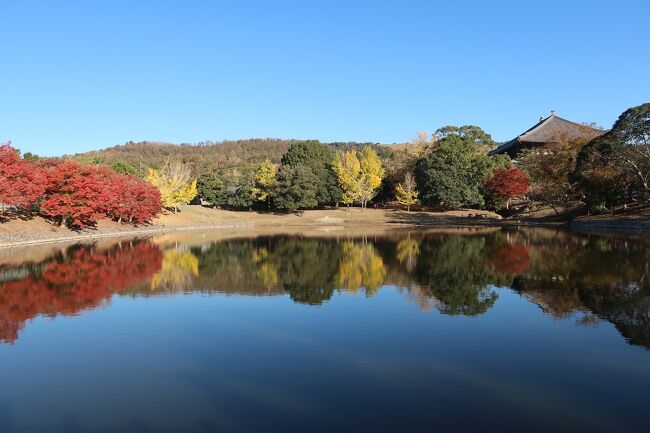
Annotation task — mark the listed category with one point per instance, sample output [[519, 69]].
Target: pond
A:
[[417, 331]]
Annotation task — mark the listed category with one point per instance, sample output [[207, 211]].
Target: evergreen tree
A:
[[240, 191], [125, 168], [318, 157], [615, 167], [296, 188], [451, 174], [213, 189]]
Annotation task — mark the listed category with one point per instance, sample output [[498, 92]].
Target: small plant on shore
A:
[[406, 192]]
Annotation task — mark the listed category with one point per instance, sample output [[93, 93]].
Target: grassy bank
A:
[[197, 218]]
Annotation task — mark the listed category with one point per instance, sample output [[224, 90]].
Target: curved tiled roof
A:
[[549, 130]]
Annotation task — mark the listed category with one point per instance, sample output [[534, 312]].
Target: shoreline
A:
[[38, 231]]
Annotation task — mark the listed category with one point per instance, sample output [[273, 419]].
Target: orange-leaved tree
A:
[[505, 184]]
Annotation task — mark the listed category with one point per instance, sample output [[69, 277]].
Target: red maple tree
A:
[[21, 181], [505, 184], [75, 194], [132, 200]]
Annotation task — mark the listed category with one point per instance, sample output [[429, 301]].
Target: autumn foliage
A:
[[82, 279], [75, 194], [505, 184], [132, 200], [21, 183], [510, 259]]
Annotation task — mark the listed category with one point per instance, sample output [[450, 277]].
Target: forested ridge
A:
[[202, 157]]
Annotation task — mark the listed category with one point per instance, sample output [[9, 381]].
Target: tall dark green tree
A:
[[616, 166], [451, 174], [318, 157], [240, 191], [213, 189], [296, 188]]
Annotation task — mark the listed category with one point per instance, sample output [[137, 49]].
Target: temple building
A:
[[552, 129]]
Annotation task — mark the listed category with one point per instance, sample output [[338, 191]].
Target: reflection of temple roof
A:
[[549, 130]]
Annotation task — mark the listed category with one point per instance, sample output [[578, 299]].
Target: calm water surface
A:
[[457, 331]]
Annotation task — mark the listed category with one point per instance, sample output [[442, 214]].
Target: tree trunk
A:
[[554, 209]]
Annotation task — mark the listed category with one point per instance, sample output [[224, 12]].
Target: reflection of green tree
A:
[[609, 278], [360, 266], [453, 269], [234, 267], [305, 268], [302, 267], [598, 276]]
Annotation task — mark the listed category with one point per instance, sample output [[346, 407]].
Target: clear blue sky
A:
[[79, 75]]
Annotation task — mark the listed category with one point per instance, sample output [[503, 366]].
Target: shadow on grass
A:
[[431, 219], [9, 214]]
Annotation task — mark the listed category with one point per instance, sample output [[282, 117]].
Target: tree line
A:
[[450, 169], [454, 171]]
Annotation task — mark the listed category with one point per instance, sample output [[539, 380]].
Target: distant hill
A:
[[204, 156]]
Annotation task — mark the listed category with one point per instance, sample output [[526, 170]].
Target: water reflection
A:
[[80, 278], [586, 278]]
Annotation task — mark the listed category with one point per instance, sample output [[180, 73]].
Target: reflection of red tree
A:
[[510, 259], [84, 279]]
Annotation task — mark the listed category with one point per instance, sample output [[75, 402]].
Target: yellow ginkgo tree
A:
[[372, 173], [359, 175], [348, 170], [175, 184], [407, 193], [265, 182]]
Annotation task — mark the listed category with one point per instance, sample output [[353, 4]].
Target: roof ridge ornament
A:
[[553, 113]]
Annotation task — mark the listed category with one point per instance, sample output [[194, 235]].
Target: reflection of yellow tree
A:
[[408, 250], [177, 270], [268, 275], [361, 266], [267, 272]]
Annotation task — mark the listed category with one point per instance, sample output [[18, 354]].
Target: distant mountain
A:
[[204, 156]]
